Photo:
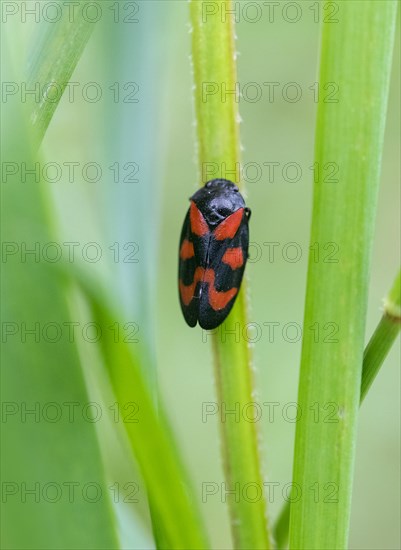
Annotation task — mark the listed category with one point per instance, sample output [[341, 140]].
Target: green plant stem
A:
[[383, 337], [356, 56], [375, 353], [216, 104]]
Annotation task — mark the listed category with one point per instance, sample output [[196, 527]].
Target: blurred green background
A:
[[157, 134]]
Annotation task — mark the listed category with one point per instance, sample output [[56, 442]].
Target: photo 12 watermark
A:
[[53, 332], [72, 171], [290, 332], [51, 92], [272, 172], [270, 412], [271, 491], [72, 11], [54, 492], [270, 92], [271, 12], [69, 412], [54, 252]]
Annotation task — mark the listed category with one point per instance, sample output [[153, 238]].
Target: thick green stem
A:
[[216, 103], [375, 353], [356, 60]]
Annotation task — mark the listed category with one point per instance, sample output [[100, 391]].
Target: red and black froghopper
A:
[[213, 253]]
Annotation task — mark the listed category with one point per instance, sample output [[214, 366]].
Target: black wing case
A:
[[188, 288], [225, 269]]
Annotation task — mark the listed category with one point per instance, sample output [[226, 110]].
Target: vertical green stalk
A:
[[217, 115], [375, 353], [356, 57]]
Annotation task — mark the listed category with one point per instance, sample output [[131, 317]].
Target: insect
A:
[[213, 252]]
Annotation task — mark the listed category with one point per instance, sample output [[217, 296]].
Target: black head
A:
[[218, 199]]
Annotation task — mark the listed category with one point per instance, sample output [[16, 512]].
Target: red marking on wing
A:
[[217, 300], [233, 257], [187, 291], [187, 250], [198, 223], [228, 228]]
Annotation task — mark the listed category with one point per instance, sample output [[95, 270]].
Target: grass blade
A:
[[281, 526], [219, 149], [45, 503], [356, 56], [150, 438], [375, 353], [52, 63]]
